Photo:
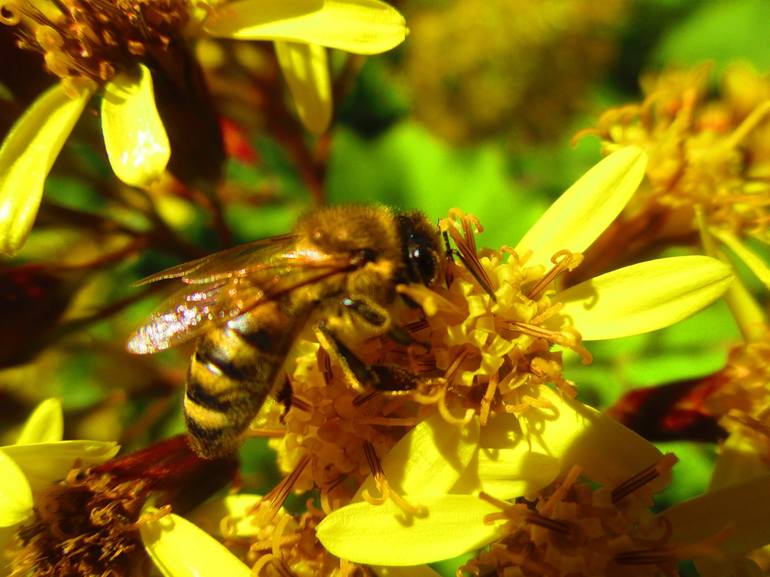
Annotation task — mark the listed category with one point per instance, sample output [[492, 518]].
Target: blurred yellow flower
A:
[[80, 47], [709, 151]]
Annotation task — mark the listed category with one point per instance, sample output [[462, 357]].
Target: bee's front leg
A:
[[360, 374]]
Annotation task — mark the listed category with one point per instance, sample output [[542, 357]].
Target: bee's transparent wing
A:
[[225, 263], [225, 285]]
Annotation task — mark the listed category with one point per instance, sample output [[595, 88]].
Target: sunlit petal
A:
[[644, 297], [15, 493], [414, 571], [306, 69], [44, 425], [385, 535], [508, 472], [745, 507], [358, 26], [429, 459], [738, 461], [136, 141], [577, 435], [743, 252], [44, 463], [180, 549], [585, 210], [235, 507], [26, 157]]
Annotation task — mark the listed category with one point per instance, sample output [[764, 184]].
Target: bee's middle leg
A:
[[358, 372]]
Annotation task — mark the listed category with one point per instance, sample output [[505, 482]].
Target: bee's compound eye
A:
[[422, 260]]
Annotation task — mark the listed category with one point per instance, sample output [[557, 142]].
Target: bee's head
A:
[[421, 248]]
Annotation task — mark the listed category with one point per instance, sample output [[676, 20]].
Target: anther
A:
[[643, 477], [563, 261], [386, 491], [466, 246], [276, 497]]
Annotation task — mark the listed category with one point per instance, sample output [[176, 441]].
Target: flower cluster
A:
[[707, 154], [377, 396]]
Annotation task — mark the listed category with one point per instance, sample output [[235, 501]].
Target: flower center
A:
[[573, 529], [95, 39], [85, 525], [491, 330]]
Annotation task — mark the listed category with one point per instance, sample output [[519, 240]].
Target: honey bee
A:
[[338, 269]]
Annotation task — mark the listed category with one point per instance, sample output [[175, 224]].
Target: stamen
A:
[[301, 404], [365, 397], [555, 525], [644, 477], [708, 547], [386, 491], [563, 261], [486, 400], [748, 125], [466, 245], [561, 491], [277, 496]]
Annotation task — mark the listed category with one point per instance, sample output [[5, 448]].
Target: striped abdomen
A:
[[231, 373]]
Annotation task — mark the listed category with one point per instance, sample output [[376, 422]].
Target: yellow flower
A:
[[561, 528], [79, 45], [436, 473], [39, 458], [179, 548], [89, 513], [493, 332], [490, 336], [302, 31]]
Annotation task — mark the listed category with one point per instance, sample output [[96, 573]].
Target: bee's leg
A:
[[357, 372], [378, 319]]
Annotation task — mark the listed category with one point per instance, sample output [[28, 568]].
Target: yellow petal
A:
[[136, 141], [745, 507], [575, 434], [180, 549], [644, 297], [509, 472], [236, 507], [26, 157], [587, 208], [748, 314], [44, 425], [358, 26], [384, 535], [44, 463], [414, 571], [429, 459], [307, 73], [743, 252], [15, 493], [738, 461]]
